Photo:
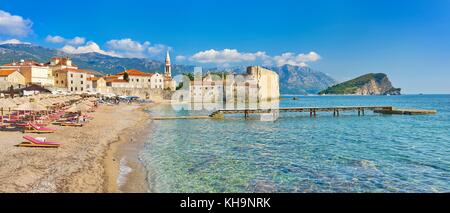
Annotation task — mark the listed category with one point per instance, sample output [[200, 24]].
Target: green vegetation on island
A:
[[369, 84]]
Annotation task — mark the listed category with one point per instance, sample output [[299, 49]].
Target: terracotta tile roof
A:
[[6, 72], [136, 73], [70, 69], [116, 81], [108, 77], [93, 79]]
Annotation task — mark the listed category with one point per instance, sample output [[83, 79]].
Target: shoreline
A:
[[79, 165], [124, 153]]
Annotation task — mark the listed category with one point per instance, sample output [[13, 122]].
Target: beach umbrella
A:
[[79, 108], [58, 100], [31, 106], [17, 101], [66, 99], [71, 98], [88, 103], [90, 106], [6, 104], [46, 103]]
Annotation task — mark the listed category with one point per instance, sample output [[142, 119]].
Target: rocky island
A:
[[369, 84]]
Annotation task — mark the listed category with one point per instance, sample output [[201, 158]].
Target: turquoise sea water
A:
[[296, 153]]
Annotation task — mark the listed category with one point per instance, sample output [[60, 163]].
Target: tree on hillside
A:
[[126, 77], [189, 75]]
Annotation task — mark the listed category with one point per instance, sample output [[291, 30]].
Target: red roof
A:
[[110, 77], [136, 73], [5, 72], [93, 79]]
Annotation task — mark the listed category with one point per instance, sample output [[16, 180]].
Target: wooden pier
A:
[[335, 110], [313, 111]]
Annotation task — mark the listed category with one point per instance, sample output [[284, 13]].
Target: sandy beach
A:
[[88, 160]]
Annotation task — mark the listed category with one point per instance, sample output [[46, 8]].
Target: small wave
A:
[[124, 170], [367, 164]]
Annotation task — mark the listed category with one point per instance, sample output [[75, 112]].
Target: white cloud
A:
[[227, 56], [158, 49], [55, 39], [77, 41], [133, 49], [296, 60], [58, 39], [128, 48], [13, 25], [12, 41], [88, 48], [127, 45], [125, 48], [180, 58]]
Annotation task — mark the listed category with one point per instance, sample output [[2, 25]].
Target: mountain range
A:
[[293, 79]]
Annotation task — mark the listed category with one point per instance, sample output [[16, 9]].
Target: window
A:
[[71, 75], [160, 80], [62, 82], [76, 88], [81, 88], [71, 82], [81, 82], [57, 82], [137, 80], [56, 74], [148, 80], [71, 88], [81, 75]]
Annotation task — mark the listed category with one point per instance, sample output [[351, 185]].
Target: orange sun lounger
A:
[[33, 128], [33, 142], [71, 124]]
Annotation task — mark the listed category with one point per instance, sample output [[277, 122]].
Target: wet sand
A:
[[124, 171], [88, 160]]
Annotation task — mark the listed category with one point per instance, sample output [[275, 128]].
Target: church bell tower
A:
[[168, 82]]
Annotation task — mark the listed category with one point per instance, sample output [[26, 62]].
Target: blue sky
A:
[[408, 40]]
